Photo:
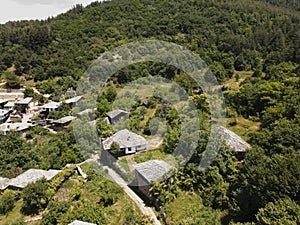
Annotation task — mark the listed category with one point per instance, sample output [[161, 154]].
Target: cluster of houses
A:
[[129, 142], [16, 112]]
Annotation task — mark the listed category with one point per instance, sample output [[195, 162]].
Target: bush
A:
[[7, 201]]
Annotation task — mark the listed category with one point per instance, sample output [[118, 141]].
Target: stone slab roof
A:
[[31, 176], [15, 126], [152, 170], [77, 222], [115, 113], [64, 120], [4, 182], [125, 139], [233, 140], [25, 101], [51, 105], [9, 104], [73, 100]]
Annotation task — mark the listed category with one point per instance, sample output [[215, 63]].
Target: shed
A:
[[115, 115]]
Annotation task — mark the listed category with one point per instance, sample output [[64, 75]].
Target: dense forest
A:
[[259, 38]]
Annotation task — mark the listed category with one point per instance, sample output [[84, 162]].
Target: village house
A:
[[9, 106], [72, 102], [77, 222], [4, 114], [3, 102], [11, 96], [30, 176], [84, 112], [23, 104], [234, 141], [19, 127], [50, 107], [129, 142], [62, 122], [147, 173], [115, 115]]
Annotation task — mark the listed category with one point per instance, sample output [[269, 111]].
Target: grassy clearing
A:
[[150, 155], [233, 82], [14, 215], [188, 209], [242, 126]]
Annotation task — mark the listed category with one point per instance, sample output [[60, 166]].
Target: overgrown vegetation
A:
[[253, 49]]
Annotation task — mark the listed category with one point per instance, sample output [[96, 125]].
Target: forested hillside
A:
[[253, 48]]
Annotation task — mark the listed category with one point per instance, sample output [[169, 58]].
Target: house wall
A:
[[134, 149], [130, 150], [141, 148], [117, 118]]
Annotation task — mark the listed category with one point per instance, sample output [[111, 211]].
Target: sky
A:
[[12, 10]]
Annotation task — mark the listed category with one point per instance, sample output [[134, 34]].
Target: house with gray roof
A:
[[115, 115], [23, 104], [9, 106], [128, 141], [77, 222], [147, 173], [64, 121], [72, 102], [31, 176], [51, 106], [233, 140], [4, 182]]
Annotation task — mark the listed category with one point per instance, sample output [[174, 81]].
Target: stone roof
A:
[[2, 101], [4, 182], [125, 139], [64, 120], [51, 105], [12, 95], [152, 170], [86, 111], [73, 100], [25, 101], [15, 126], [115, 113], [31, 176], [9, 104], [77, 222], [233, 140]]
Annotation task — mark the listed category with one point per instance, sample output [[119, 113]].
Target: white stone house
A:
[[129, 142]]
